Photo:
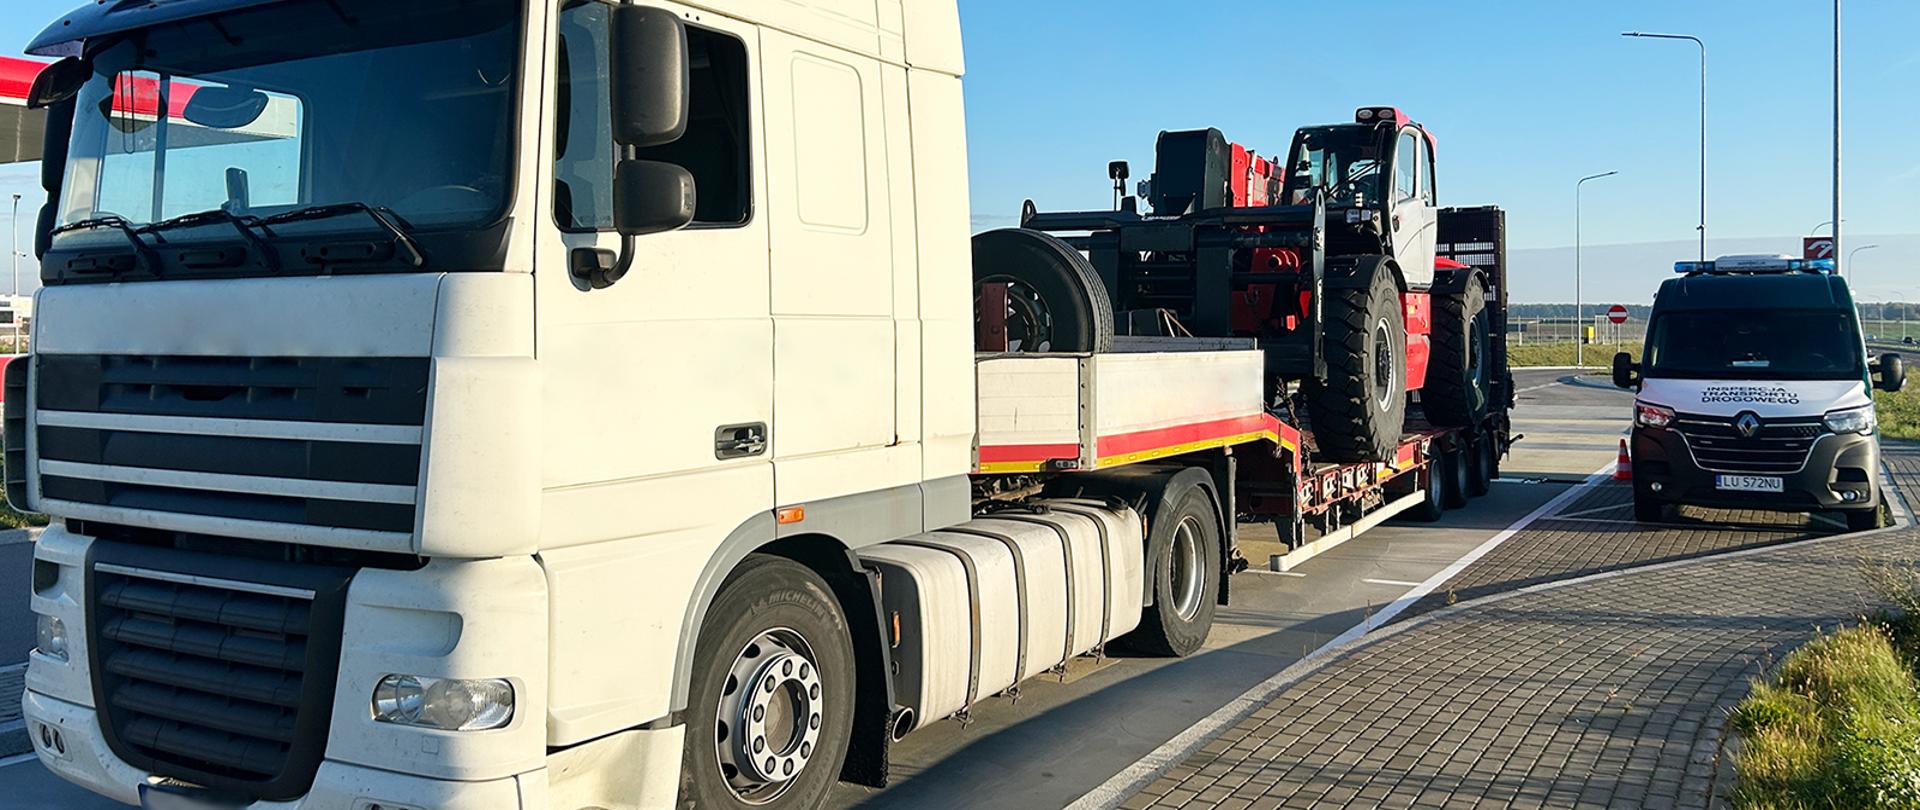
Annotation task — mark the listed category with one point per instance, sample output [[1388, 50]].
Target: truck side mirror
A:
[[651, 197], [652, 77], [1626, 373], [58, 82], [1892, 371]]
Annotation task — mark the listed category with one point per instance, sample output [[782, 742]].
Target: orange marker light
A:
[[786, 515]]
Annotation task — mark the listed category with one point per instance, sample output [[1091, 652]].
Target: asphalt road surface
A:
[[1062, 739]]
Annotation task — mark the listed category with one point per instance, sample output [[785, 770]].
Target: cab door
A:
[[1414, 220]]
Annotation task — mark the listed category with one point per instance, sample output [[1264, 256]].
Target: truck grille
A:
[[1777, 449], [224, 682], [242, 446]]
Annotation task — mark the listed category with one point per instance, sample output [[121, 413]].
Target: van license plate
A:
[[1750, 483]]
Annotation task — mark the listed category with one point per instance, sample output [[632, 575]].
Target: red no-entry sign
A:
[[1617, 314]]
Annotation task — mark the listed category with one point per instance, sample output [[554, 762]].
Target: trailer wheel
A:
[[1358, 411], [771, 712], [1186, 578], [1432, 505], [1055, 301], [1480, 467], [1459, 386], [1453, 478]]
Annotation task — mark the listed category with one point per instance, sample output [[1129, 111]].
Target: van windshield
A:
[[1755, 344]]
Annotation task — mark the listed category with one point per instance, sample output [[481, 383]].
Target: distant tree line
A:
[[1636, 312]]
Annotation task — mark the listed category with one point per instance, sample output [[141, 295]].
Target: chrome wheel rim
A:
[[1185, 564], [770, 710]]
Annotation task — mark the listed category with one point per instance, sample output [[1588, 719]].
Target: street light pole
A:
[[1837, 221], [1579, 311], [16, 274], [1703, 127]]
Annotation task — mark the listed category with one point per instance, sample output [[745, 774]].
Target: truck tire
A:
[[1453, 477], [1359, 410], [1459, 387], [770, 708], [1480, 467], [1055, 300], [1185, 542]]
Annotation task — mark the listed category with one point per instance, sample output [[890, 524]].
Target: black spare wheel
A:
[[1055, 301]]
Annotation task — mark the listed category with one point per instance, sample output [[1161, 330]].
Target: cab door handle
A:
[[740, 441]]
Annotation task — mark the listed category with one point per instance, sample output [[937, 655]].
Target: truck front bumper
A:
[[79, 754], [1841, 474]]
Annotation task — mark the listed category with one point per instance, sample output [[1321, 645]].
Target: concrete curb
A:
[[14, 740], [13, 732]]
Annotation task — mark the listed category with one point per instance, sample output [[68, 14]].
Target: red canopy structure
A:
[[21, 130]]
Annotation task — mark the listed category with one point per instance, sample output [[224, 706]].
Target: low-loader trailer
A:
[[495, 404]]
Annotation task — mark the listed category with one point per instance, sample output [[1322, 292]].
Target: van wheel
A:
[[770, 711], [1646, 509], [1862, 520], [1186, 578], [1359, 410]]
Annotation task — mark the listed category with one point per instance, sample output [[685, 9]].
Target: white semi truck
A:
[[504, 404]]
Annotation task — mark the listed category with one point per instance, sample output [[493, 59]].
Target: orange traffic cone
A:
[[1623, 470]]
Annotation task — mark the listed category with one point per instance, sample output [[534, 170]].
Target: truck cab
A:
[[1755, 391]]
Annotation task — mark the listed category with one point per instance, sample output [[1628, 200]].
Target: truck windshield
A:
[[1749, 344], [1346, 161], [404, 108]]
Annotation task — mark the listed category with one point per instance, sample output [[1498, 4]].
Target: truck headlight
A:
[[1852, 420], [50, 636], [449, 704], [1651, 416]]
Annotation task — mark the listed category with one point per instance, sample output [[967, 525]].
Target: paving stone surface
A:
[[1610, 691]]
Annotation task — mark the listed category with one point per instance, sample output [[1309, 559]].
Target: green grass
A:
[[1837, 723], [1899, 413], [1562, 354]]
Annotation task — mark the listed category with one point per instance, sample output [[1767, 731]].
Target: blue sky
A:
[[1524, 98]]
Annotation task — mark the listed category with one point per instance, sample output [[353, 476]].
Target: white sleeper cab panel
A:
[[988, 603]]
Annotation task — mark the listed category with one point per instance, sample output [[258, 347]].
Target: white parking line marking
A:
[[1273, 573], [1119, 787], [1393, 582], [18, 759]]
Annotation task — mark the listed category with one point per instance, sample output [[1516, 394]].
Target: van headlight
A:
[[1852, 420], [448, 704], [1648, 415]]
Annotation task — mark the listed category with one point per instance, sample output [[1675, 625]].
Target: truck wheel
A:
[[1480, 467], [1358, 411], [771, 707], [1454, 475], [1459, 386], [1055, 301], [1186, 578]]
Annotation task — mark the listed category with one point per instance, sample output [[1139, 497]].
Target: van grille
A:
[[222, 682], [322, 442], [1778, 448]]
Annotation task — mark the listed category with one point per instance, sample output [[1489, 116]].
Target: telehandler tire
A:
[[1459, 387], [1360, 409], [1055, 300]]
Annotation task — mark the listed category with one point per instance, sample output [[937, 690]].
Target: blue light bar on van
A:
[[1756, 264]]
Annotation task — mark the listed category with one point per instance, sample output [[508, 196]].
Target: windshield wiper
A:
[[141, 249], [241, 223], [384, 216]]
